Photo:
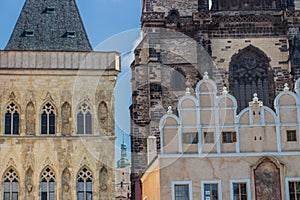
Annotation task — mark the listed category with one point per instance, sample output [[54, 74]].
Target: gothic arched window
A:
[[48, 119], [84, 119], [12, 119], [47, 184], [249, 73], [84, 184], [11, 185]]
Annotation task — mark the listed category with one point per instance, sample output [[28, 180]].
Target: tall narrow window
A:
[[12, 119], [294, 190], [211, 191], [11, 185], [48, 119], [84, 184], [240, 191], [47, 184], [84, 119]]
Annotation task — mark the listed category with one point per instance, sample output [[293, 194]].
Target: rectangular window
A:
[[291, 135], [240, 191], [182, 192], [211, 191], [294, 190], [190, 138], [29, 33], [70, 34], [209, 137], [228, 137]]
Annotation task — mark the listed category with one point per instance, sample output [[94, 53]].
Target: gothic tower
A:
[[248, 46], [57, 108]]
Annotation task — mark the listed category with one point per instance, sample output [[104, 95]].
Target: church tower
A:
[[56, 108], [248, 46]]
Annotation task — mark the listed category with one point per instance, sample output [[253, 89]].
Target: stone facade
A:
[[57, 138], [211, 151], [30, 87], [183, 39]]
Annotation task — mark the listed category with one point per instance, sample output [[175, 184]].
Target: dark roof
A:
[[49, 25]]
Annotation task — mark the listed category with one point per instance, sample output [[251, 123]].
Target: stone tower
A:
[[249, 46], [57, 108]]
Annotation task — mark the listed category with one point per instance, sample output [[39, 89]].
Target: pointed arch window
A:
[[84, 119], [84, 184], [12, 118], [11, 185], [47, 187], [48, 119], [250, 72]]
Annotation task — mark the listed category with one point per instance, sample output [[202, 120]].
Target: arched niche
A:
[[65, 119], [250, 72]]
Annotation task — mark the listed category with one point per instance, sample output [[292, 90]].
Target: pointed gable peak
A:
[[49, 25]]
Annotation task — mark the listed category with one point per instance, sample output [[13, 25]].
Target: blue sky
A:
[[112, 25]]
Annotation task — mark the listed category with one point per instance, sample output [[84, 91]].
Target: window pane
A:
[[52, 123], [7, 123], [80, 186], [14, 186], [6, 195], [88, 123], [44, 187], [181, 192], [51, 196], [6, 186], [80, 129], [16, 123], [44, 123], [89, 196], [51, 186], [80, 196], [44, 196], [15, 196], [89, 186]]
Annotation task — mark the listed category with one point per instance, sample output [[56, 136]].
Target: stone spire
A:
[[49, 25], [123, 162]]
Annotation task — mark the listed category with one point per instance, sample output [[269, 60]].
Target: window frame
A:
[[287, 181], [219, 186], [232, 137], [84, 115], [11, 192], [190, 138], [190, 186], [49, 117], [85, 181], [14, 123], [239, 181], [289, 138], [48, 181]]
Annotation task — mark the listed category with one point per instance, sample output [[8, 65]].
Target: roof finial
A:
[[286, 87], [225, 90], [205, 77], [170, 112], [255, 98], [187, 91]]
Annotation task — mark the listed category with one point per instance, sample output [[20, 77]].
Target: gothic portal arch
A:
[[250, 72]]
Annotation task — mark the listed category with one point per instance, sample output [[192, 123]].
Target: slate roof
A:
[[49, 25]]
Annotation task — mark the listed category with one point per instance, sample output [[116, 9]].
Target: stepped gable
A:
[[49, 25]]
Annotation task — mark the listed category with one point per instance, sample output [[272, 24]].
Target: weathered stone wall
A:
[[30, 86]]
